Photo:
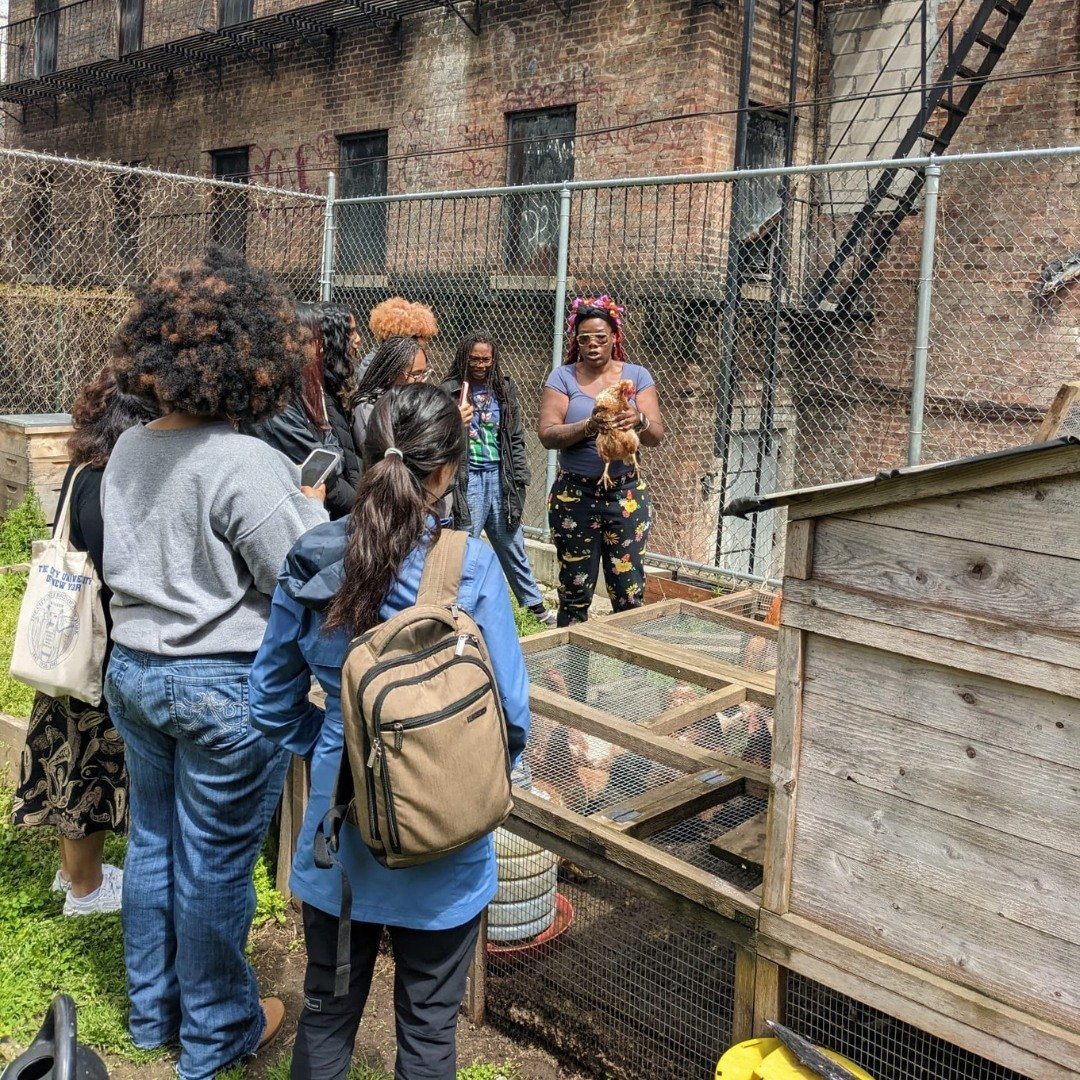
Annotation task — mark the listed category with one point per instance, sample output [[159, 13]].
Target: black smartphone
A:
[[317, 466]]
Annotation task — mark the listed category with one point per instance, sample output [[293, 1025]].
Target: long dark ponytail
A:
[[339, 368], [422, 427]]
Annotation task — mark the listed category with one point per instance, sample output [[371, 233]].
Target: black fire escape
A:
[[92, 48]]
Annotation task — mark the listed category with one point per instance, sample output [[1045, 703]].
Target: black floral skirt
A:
[[72, 774]]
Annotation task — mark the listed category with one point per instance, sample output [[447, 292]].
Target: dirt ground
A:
[[279, 961]]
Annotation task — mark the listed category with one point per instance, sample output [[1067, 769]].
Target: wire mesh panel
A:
[[620, 987], [743, 731], [618, 687], [887, 1048], [81, 236], [712, 639]]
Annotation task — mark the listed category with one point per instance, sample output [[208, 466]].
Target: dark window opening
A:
[[361, 238], [127, 209], [131, 26], [40, 216], [46, 36], [228, 218], [231, 12], [541, 151], [759, 198]]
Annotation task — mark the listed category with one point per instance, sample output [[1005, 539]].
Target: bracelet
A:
[[591, 427], [643, 422]]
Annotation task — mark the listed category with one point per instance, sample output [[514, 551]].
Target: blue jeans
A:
[[203, 788], [486, 509]]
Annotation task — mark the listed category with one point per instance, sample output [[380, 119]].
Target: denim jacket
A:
[[440, 894]]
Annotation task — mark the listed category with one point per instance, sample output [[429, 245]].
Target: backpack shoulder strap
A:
[[442, 569]]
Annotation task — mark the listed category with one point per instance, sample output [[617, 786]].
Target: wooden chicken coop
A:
[[861, 823]]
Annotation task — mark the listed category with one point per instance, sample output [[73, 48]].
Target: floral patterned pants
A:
[[593, 528]]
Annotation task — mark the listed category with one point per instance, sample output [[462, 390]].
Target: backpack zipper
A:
[[401, 726], [386, 665]]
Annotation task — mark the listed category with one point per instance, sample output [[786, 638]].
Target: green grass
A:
[[15, 697], [46, 954], [525, 621]]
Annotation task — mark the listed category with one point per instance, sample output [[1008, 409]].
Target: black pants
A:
[[430, 968]]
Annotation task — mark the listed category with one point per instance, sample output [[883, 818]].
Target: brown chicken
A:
[[615, 445]]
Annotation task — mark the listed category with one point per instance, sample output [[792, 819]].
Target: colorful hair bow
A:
[[604, 303]]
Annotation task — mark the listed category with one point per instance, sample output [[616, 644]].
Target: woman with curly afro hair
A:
[[198, 519]]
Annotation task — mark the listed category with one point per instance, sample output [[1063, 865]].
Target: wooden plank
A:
[[744, 845], [701, 887], [660, 748], [664, 806], [1006, 877], [934, 481], [799, 550], [685, 911], [1019, 587], [675, 660], [1020, 641], [956, 940], [731, 601], [787, 736], [476, 980], [955, 775], [735, 622], [1004, 714], [544, 639], [1037, 516], [770, 996], [1063, 416], [879, 634], [683, 716], [960, 1015], [742, 1010], [643, 614]]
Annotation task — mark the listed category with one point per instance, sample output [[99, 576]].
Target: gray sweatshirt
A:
[[197, 524]]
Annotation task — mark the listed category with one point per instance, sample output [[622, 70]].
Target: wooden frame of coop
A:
[[918, 850]]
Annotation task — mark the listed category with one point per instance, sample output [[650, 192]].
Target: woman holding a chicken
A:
[[596, 411]]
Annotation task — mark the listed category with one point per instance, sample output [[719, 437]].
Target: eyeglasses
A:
[[600, 339], [418, 376], [481, 361]]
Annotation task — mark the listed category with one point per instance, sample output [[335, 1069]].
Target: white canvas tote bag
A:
[[60, 637]]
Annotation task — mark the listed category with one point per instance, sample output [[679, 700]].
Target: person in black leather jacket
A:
[[308, 422], [489, 495]]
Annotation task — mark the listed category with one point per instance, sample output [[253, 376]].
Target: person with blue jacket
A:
[[339, 580]]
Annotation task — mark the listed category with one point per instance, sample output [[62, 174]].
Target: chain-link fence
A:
[[778, 313], [79, 236], [796, 336]]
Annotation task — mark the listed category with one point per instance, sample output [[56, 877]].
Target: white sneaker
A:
[[106, 898], [61, 883], [549, 617]]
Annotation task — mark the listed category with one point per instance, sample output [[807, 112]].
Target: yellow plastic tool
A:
[[769, 1059]]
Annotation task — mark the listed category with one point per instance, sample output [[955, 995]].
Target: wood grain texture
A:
[[955, 775], [770, 996], [787, 735], [1036, 516], [742, 1012], [744, 845], [1013, 717], [1031, 1045], [879, 633], [799, 550], [1018, 587], [666, 805], [952, 938], [936, 481], [1058, 417], [683, 716], [1006, 877]]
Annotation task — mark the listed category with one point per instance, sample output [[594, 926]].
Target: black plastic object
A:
[[55, 1054]]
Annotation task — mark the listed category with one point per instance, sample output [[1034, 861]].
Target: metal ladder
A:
[[971, 60]]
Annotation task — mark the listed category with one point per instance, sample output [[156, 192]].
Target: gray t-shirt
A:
[[197, 524]]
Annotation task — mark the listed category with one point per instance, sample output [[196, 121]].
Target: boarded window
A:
[[759, 198], [361, 238], [46, 36], [231, 12], [127, 207], [39, 210], [131, 26], [541, 151], [228, 217]]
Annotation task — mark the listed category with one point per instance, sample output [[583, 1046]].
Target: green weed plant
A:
[[20, 527]]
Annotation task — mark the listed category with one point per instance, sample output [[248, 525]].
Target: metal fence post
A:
[[560, 306], [922, 314], [326, 278]]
